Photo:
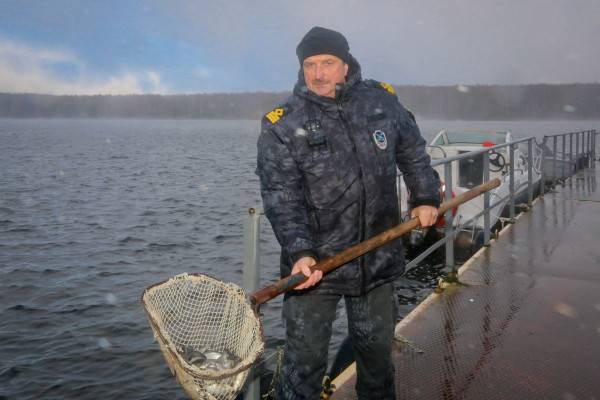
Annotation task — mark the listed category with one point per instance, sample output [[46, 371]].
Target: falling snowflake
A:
[[111, 299]]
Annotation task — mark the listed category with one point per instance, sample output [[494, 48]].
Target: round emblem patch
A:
[[380, 139]]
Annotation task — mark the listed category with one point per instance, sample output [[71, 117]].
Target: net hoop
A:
[[198, 310]]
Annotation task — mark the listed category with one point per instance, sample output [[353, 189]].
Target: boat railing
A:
[[434, 147], [577, 154]]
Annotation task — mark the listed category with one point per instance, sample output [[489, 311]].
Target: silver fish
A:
[[196, 357], [209, 359], [213, 355]]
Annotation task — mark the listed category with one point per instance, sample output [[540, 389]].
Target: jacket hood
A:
[[353, 77]]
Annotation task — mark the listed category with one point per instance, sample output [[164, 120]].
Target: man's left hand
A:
[[427, 215]]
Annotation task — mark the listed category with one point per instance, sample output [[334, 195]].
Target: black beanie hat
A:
[[323, 41]]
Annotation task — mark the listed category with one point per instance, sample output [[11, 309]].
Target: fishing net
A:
[[193, 311]]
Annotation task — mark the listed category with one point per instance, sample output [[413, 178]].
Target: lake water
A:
[[94, 211]]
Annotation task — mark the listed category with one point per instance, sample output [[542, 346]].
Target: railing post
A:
[[589, 148], [581, 152], [530, 171], [251, 275], [251, 280], [588, 151], [570, 152], [554, 139], [577, 151], [562, 170], [486, 201], [594, 149], [543, 168], [586, 147], [582, 145], [511, 150], [448, 217]]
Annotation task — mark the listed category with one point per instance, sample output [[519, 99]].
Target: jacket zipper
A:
[[363, 193]]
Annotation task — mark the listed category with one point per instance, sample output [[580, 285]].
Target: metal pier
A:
[[524, 323]]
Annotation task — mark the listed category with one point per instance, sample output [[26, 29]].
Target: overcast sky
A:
[[121, 46]]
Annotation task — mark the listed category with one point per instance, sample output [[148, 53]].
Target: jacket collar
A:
[[342, 92]]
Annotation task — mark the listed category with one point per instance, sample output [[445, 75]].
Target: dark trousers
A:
[[308, 322]]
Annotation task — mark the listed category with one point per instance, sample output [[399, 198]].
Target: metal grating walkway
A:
[[527, 323]]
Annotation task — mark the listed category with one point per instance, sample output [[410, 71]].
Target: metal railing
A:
[[581, 155], [450, 229], [575, 157]]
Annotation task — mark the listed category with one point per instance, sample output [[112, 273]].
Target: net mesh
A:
[[200, 312]]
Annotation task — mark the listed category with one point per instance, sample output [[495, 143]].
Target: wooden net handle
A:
[[265, 294]]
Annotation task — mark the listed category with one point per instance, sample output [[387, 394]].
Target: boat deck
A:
[[526, 322]]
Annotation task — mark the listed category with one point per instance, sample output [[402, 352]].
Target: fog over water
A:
[[94, 211]]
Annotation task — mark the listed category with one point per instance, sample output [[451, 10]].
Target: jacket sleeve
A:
[[413, 161], [283, 196]]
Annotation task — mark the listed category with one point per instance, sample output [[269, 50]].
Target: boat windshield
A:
[[470, 137]]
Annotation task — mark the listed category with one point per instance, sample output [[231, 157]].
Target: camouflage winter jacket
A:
[[327, 171]]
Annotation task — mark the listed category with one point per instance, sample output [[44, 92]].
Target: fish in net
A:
[[208, 333]]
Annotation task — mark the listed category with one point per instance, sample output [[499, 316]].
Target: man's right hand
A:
[[303, 265]]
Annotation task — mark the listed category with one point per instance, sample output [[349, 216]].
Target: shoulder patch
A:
[[388, 87], [275, 115], [381, 85]]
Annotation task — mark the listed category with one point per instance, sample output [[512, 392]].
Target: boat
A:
[[468, 173]]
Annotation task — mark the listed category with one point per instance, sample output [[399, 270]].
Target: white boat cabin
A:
[[468, 173]]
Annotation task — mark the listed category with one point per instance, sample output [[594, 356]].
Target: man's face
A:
[[322, 72]]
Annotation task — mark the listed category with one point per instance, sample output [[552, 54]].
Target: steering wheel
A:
[[497, 160]]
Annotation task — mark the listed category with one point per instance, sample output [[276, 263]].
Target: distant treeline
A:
[[480, 102]]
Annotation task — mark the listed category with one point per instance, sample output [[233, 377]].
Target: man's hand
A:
[[303, 265], [427, 215]]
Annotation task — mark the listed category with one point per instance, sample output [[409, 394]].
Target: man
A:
[[327, 163]]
